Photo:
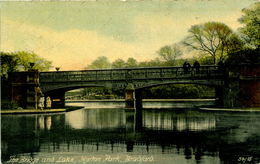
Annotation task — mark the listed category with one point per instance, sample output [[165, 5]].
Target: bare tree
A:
[[210, 38]]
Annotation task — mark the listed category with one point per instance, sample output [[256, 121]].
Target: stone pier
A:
[[130, 104]]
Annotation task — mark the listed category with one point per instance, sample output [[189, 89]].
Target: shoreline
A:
[[143, 100], [72, 108], [249, 109], [38, 111]]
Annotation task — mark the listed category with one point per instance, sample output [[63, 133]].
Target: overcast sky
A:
[[73, 34]]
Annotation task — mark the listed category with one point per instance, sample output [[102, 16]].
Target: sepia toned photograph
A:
[[130, 81]]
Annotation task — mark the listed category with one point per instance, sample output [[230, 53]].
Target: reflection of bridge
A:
[[234, 88]]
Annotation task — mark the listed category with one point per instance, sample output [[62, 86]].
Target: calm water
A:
[[105, 133]]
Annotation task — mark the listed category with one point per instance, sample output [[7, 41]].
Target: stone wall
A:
[[23, 88], [249, 85], [250, 93]]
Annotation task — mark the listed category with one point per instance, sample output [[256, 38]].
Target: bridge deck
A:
[[131, 74]]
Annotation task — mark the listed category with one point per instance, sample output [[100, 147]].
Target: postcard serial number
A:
[[245, 159]]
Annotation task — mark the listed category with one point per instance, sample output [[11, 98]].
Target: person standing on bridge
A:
[[186, 67], [196, 65], [48, 103]]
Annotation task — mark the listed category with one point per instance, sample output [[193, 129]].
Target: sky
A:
[[73, 34]]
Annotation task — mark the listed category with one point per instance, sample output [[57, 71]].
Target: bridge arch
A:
[[210, 84], [70, 87], [217, 89], [57, 94]]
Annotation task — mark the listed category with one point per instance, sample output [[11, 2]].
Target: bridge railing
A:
[[131, 73]]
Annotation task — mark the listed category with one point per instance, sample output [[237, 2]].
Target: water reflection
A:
[[96, 119], [171, 121], [180, 135]]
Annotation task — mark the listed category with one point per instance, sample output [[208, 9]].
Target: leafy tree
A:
[[238, 52], [98, 93], [153, 63], [251, 19], [205, 60], [101, 62], [156, 62], [170, 53], [245, 55], [9, 63], [210, 38], [119, 63], [177, 91], [86, 91], [20, 61], [144, 64], [131, 63], [234, 44], [25, 58]]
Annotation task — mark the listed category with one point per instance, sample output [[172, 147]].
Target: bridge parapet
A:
[[131, 74]]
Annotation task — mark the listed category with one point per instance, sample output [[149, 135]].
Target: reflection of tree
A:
[[18, 135], [96, 119], [180, 122]]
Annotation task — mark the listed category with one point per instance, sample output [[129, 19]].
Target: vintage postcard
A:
[[130, 81]]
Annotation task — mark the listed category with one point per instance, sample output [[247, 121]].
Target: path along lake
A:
[[160, 133]]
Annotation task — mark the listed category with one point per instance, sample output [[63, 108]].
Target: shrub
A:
[[9, 105]]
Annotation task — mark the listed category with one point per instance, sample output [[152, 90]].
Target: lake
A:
[[103, 132]]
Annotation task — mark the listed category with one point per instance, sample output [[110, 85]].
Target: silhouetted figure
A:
[[186, 67], [196, 65]]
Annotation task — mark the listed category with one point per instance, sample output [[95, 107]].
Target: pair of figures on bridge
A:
[[186, 67]]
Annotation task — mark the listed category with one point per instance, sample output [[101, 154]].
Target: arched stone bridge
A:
[[139, 77]]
